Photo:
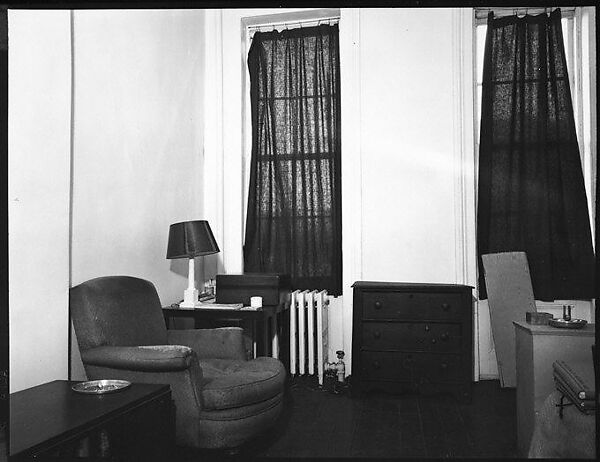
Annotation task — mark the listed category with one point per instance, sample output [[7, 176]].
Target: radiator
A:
[[308, 332]]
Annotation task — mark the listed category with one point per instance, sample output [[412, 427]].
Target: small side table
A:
[[537, 347]]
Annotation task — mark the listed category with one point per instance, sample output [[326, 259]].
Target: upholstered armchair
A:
[[221, 398]]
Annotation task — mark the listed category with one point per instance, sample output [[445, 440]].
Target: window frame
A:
[[577, 66]]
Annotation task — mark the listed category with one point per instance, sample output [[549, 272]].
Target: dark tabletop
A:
[[221, 312], [52, 411]]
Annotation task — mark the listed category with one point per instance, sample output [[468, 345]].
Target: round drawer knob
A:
[[427, 328], [376, 365], [377, 334], [433, 340], [445, 306], [378, 305]]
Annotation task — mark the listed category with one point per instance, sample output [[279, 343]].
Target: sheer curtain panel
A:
[[531, 193], [294, 221]]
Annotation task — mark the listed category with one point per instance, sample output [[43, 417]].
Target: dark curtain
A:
[[531, 192], [293, 223]]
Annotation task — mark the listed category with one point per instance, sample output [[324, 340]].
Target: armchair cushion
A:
[[148, 358], [229, 384]]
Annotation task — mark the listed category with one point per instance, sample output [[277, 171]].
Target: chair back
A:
[[117, 311]]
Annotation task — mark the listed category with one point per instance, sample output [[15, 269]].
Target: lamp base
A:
[[190, 299]]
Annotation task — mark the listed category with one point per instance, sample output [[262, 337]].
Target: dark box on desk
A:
[[538, 318], [238, 288]]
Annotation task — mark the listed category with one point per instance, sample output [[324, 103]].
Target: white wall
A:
[[137, 164], [406, 143], [138, 142], [138, 145], [38, 191]]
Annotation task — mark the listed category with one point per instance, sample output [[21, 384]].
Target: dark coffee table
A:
[[51, 421]]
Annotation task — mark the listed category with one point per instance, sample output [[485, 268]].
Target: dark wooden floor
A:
[[318, 424]]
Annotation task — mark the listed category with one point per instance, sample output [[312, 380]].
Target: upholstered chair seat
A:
[[222, 399]]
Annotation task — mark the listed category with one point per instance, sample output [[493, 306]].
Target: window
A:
[[531, 191], [293, 220]]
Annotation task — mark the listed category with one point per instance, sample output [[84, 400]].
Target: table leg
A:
[[254, 335], [265, 340], [274, 337]]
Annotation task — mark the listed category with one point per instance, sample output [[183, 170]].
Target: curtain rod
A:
[[482, 13], [299, 23]]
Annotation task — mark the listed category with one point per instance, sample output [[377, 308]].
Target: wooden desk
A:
[[266, 326], [51, 421], [537, 347]]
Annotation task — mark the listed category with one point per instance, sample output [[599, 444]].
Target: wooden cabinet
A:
[[415, 337], [537, 347]]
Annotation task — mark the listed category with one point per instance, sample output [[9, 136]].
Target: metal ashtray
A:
[[568, 324], [100, 387]]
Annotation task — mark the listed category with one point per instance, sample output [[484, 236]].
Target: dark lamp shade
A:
[[190, 239]]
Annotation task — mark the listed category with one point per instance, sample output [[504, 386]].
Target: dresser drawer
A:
[[412, 336], [410, 367], [413, 305]]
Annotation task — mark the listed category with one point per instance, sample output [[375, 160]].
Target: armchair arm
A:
[[148, 358], [219, 343]]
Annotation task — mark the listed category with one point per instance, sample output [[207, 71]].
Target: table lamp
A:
[[190, 239]]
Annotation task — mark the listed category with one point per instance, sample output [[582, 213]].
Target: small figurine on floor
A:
[[335, 374]]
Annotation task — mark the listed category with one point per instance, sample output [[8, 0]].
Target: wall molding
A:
[[73, 351], [213, 180], [464, 160], [464, 145], [352, 218], [459, 138]]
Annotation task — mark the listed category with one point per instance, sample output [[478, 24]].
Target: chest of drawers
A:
[[416, 337]]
